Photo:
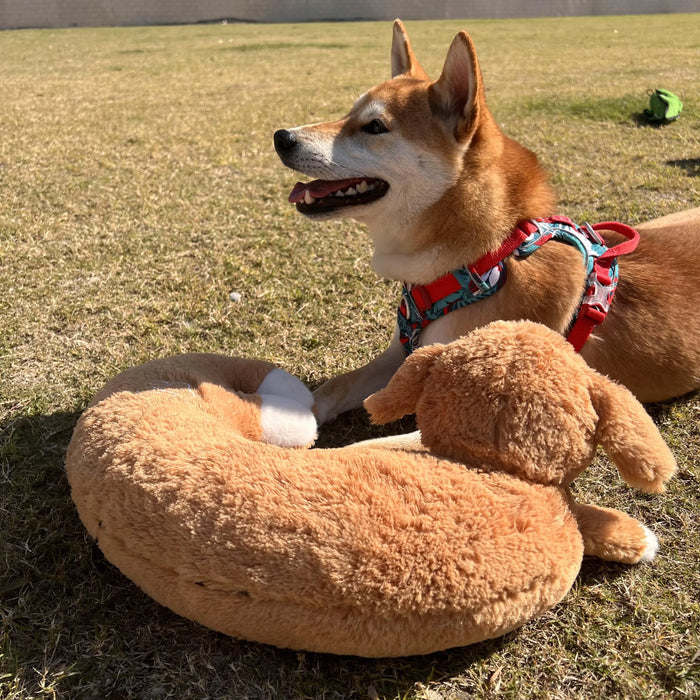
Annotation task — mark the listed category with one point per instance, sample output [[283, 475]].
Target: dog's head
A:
[[401, 146], [516, 397]]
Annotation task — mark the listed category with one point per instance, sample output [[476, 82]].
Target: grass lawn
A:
[[139, 188]]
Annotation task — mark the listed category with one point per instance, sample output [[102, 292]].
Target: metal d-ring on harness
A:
[[422, 304]]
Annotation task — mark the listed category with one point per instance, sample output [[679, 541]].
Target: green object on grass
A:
[[664, 106]]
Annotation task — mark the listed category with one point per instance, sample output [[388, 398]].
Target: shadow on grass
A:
[[39, 515], [664, 409], [642, 119], [595, 571], [355, 426], [690, 165]]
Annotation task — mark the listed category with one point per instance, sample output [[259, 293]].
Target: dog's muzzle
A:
[[322, 198]]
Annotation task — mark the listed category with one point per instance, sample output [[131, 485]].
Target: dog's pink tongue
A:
[[318, 188]]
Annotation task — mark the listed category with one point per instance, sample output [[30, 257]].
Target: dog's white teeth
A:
[[308, 198], [363, 187]]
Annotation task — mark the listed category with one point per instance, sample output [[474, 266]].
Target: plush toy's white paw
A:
[[285, 414], [278, 382], [652, 545]]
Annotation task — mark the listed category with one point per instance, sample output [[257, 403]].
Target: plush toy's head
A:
[[516, 397]]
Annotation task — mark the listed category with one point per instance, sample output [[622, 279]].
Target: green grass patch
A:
[[139, 187], [623, 109]]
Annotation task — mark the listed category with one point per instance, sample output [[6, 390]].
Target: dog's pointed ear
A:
[[400, 396], [458, 94], [630, 437], [403, 60]]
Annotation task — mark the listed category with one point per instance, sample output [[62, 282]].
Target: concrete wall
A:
[[67, 13]]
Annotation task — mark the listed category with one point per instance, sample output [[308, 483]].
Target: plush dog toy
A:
[[364, 550]]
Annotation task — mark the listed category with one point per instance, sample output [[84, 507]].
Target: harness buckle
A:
[[592, 234], [600, 289]]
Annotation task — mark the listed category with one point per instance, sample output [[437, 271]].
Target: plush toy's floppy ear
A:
[[403, 60], [400, 396], [630, 437]]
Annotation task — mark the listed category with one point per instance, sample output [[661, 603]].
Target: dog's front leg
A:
[[348, 391]]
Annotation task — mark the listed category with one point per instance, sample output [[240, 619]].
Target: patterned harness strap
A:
[[422, 304]]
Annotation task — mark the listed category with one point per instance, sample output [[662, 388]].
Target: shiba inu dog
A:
[[439, 186]]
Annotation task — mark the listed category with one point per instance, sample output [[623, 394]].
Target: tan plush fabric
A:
[[359, 550]]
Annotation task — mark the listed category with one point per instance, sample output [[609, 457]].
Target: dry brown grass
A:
[[138, 187]]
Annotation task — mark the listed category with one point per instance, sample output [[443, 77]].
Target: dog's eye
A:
[[376, 126]]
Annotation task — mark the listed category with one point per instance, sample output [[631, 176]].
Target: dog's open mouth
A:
[[324, 195]]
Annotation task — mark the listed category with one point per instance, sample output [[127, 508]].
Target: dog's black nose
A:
[[284, 141]]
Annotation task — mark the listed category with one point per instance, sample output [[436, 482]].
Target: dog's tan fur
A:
[[458, 188]]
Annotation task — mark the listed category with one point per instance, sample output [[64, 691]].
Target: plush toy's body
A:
[[361, 550]]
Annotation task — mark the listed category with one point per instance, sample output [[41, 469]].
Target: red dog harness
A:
[[422, 304]]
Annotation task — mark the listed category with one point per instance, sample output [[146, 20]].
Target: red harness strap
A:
[[510, 245], [599, 286]]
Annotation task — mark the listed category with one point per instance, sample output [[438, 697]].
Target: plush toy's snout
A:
[[400, 397]]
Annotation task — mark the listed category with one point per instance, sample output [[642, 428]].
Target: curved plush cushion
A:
[[377, 549], [356, 550]]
